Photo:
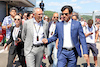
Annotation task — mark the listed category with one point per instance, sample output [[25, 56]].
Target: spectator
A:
[[29, 15], [0, 28], [46, 18], [20, 14], [61, 18], [91, 33], [24, 18], [75, 16], [98, 25], [52, 46], [82, 22], [8, 22]]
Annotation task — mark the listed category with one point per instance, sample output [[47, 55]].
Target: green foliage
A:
[[49, 13], [86, 17]]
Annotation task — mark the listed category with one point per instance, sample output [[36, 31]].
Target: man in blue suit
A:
[[68, 32]]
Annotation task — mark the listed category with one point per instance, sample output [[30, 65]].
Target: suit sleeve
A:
[[24, 31], [54, 37], [82, 39], [11, 38]]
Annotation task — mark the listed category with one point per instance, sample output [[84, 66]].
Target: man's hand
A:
[[44, 40], [8, 26], [19, 40], [5, 46], [90, 33], [86, 56], [95, 40]]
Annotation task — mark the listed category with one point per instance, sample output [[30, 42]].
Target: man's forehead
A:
[[55, 14], [38, 10]]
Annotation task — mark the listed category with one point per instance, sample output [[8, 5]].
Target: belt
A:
[[38, 45], [69, 49]]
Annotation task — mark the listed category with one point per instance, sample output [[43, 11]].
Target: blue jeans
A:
[[52, 49]]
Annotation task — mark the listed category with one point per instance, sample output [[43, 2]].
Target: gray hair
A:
[[34, 9], [14, 8]]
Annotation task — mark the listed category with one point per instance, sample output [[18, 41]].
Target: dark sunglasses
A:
[[41, 14], [55, 17], [16, 19], [65, 14]]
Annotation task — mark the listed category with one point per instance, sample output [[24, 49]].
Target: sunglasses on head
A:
[[55, 17], [65, 14], [16, 19]]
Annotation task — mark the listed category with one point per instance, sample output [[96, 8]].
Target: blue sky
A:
[[81, 6]]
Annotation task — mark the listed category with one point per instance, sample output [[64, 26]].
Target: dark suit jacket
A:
[[13, 48], [76, 30]]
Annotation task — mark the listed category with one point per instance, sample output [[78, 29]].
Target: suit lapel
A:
[[19, 33], [72, 28], [62, 29], [32, 27], [44, 26]]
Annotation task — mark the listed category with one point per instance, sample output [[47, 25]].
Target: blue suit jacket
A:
[[76, 31]]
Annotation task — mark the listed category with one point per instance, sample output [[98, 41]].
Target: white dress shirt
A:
[[52, 29], [67, 35], [15, 32], [40, 34]]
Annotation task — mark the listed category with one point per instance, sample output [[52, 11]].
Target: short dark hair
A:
[[69, 8], [75, 14], [13, 8], [90, 22], [28, 14]]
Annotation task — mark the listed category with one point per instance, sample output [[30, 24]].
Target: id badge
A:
[[37, 38]]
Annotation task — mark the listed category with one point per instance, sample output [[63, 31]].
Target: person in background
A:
[[97, 23], [24, 18], [91, 33], [8, 22], [75, 16], [20, 14], [52, 46], [29, 15], [61, 18], [42, 5], [46, 18], [82, 22], [17, 46], [0, 28]]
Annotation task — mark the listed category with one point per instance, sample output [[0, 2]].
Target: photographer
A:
[[17, 44]]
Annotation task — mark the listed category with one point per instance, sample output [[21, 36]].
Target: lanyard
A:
[[36, 29], [90, 29]]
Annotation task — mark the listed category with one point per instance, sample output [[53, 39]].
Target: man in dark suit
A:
[[68, 32], [42, 5]]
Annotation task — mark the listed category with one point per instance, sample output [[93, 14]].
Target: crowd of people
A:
[[33, 37]]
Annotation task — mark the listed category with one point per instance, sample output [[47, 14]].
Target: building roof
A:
[[21, 3]]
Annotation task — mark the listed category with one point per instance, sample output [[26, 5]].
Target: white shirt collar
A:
[[37, 22], [68, 21]]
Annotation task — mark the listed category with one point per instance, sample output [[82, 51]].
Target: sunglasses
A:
[[55, 17], [16, 19], [65, 14], [41, 14]]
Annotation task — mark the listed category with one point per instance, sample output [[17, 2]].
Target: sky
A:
[[80, 6]]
